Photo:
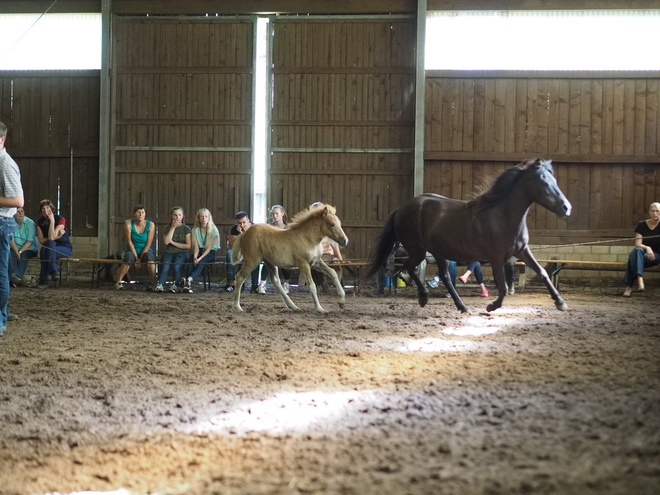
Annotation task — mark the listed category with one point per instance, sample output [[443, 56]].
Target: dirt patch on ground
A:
[[177, 394]]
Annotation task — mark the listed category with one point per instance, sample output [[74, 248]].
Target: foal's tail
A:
[[385, 244], [236, 253]]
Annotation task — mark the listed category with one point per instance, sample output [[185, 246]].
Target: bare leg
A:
[[123, 270], [151, 268], [528, 258]]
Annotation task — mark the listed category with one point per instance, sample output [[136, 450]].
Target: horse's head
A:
[[543, 189], [331, 225]]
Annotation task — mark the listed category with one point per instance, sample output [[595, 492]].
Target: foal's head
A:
[[325, 216]]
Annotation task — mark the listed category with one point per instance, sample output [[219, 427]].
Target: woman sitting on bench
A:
[[646, 252]]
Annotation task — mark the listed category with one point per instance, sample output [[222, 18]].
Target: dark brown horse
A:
[[490, 227]]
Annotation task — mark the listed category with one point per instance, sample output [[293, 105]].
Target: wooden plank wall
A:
[[182, 118], [342, 119], [603, 134], [52, 116]]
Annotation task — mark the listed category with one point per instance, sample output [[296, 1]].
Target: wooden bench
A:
[[556, 266]]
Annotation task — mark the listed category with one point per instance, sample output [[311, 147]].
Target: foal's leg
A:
[[527, 257], [335, 280], [500, 283], [306, 272], [275, 278], [242, 274], [443, 268]]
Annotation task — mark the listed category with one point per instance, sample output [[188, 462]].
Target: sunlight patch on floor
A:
[[121, 491], [283, 412]]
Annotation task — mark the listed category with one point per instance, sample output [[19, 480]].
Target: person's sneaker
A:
[[433, 283], [511, 291], [12, 317], [15, 280], [2, 330], [172, 289], [54, 276], [484, 293], [286, 287], [119, 286], [158, 288], [43, 284], [261, 289], [229, 288]]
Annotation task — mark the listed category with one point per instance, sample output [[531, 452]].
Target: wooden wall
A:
[[53, 122], [342, 119], [602, 132], [182, 118]]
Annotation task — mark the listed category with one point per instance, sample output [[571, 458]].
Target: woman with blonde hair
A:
[[205, 243], [280, 220], [646, 252]]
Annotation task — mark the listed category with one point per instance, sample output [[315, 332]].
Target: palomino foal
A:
[[299, 245]]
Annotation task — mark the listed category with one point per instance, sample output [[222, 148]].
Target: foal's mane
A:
[[308, 214], [503, 183]]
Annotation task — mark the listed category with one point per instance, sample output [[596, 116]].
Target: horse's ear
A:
[[325, 211]]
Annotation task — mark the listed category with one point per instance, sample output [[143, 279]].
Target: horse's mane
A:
[[310, 213], [503, 183]]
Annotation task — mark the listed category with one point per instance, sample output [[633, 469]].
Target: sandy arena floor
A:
[[176, 394]]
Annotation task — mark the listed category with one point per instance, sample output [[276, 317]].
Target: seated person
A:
[[139, 234], [23, 247], [475, 267], [54, 239], [242, 224], [177, 243], [279, 220], [646, 252], [205, 243]]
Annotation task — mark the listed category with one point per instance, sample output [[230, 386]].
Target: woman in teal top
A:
[[177, 243], [23, 247], [139, 234], [205, 242]]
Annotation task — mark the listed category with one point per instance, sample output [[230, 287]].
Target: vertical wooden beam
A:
[[420, 81], [104, 134]]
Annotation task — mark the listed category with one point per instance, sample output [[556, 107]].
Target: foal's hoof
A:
[[341, 305], [561, 305]]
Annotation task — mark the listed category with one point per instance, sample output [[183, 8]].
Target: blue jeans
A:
[[231, 271], [17, 266], [50, 253], [7, 230], [167, 261], [637, 261], [194, 270]]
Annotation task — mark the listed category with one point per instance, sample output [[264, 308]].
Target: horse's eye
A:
[[332, 225]]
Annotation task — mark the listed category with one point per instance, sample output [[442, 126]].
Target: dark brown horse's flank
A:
[[491, 227]]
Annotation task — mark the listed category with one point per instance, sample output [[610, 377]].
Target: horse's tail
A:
[[236, 252], [385, 244]]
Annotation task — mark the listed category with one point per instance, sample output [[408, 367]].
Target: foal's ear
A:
[[325, 211]]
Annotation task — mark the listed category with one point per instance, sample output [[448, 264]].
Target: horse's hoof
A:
[[238, 309], [341, 305], [561, 306], [423, 299], [492, 307], [464, 310], [322, 311]]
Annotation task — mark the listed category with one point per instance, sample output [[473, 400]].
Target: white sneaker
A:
[[285, 286], [172, 289], [158, 288], [119, 286], [261, 289]]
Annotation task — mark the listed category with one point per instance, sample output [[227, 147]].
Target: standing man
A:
[[242, 224], [11, 197]]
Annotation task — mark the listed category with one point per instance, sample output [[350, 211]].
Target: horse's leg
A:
[[500, 282], [335, 280], [443, 268], [244, 272], [306, 272], [275, 278], [410, 265], [527, 257]]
